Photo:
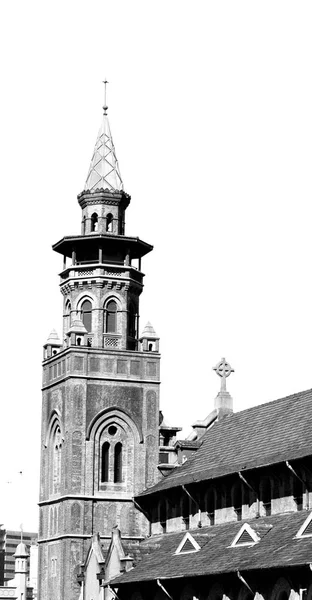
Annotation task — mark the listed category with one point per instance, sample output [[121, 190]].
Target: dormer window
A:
[[187, 545], [306, 528], [245, 537], [94, 222]]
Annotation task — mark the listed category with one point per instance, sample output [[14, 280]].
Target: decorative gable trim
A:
[[306, 528], [245, 537], [187, 545]]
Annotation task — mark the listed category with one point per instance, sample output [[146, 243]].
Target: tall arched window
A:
[[111, 317], [94, 222], [67, 317], [86, 315], [109, 223], [83, 226], [237, 500], [105, 462], [57, 459], [118, 463]]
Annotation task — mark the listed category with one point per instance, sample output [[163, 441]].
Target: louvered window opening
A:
[[245, 538], [308, 529], [187, 547]]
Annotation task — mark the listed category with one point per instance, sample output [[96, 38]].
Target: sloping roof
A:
[[104, 170], [262, 435], [276, 548]]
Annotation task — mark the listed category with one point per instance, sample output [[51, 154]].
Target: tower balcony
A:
[[100, 271]]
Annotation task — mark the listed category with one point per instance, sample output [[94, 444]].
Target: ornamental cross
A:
[[223, 369]]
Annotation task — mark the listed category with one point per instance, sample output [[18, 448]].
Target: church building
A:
[[128, 510]]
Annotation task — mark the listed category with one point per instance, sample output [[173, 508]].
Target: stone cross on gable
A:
[[223, 369]]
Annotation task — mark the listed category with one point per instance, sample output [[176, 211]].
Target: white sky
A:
[[210, 109]]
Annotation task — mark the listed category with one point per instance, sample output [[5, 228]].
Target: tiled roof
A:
[[262, 435], [276, 548], [188, 444]]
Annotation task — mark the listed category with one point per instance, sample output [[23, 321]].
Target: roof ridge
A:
[[309, 390]]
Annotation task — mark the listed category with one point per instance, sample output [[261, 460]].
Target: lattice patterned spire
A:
[[104, 170]]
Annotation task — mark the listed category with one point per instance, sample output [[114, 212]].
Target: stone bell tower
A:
[[100, 386]]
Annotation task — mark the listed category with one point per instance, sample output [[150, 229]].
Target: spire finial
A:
[[21, 528], [105, 107]]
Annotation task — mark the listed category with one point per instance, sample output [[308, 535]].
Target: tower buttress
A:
[[100, 386]]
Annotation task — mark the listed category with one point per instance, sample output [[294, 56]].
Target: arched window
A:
[[298, 492], [186, 511], [83, 226], [237, 500], [86, 314], [111, 317], [105, 462], [210, 507], [266, 497], [118, 463], [163, 516], [109, 223], [94, 222]]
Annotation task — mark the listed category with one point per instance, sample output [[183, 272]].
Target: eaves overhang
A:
[[136, 247], [122, 580], [179, 478]]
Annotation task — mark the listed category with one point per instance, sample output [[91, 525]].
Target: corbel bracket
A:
[[241, 578], [163, 589], [193, 500]]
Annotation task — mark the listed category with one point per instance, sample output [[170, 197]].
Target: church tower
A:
[[100, 407]]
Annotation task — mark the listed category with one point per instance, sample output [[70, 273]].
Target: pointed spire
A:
[[104, 169]]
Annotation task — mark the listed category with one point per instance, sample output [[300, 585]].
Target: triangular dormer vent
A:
[[305, 529], [245, 537], [187, 545]]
